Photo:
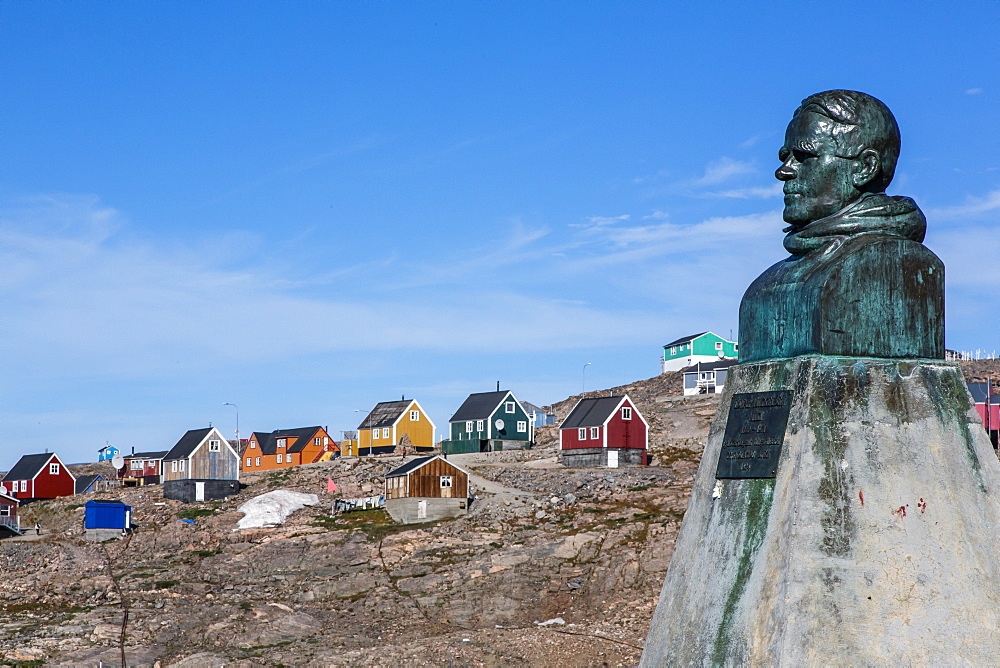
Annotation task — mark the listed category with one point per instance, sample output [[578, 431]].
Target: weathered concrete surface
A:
[[874, 545], [593, 457], [406, 510]]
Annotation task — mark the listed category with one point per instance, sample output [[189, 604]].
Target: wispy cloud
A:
[[722, 170], [973, 206], [973, 91]]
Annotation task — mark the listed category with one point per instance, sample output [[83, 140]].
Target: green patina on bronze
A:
[[858, 282], [750, 508]]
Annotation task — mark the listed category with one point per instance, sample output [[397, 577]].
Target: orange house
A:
[[288, 447]]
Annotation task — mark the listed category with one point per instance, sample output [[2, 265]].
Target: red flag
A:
[[331, 486]]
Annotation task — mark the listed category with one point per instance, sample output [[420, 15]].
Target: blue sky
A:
[[306, 208]]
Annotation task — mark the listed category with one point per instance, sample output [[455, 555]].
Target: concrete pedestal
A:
[[875, 544]]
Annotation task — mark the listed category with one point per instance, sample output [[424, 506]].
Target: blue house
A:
[[538, 415], [107, 453]]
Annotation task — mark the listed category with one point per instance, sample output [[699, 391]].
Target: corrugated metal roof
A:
[[385, 414], [592, 412], [416, 463], [479, 406]]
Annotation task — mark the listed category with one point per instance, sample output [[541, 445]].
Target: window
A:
[[595, 432], [736, 346], [468, 426], [626, 413], [581, 433], [414, 416], [249, 462], [24, 485], [673, 350], [279, 458], [479, 425], [281, 442], [317, 441], [4, 511], [718, 345], [181, 466], [253, 444], [214, 445], [135, 464], [53, 469], [509, 407], [385, 432], [326, 440], [256, 461], [522, 426], [446, 481], [173, 467]]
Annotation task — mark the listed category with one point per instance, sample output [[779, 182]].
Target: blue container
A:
[[107, 515]]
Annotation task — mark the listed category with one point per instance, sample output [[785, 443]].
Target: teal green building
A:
[[704, 347], [487, 422]]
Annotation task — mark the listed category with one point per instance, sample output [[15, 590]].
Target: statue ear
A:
[[868, 165]]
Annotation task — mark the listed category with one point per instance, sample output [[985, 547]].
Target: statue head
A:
[[839, 145]]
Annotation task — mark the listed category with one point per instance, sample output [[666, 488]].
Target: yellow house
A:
[[394, 425]]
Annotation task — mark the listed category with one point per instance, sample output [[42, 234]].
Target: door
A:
[[421, 510], [612, 459], [199, 489]]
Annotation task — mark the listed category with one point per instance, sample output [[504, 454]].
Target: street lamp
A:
[[237, 423], [583, 387]]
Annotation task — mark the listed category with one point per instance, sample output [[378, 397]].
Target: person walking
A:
[[38, 529]]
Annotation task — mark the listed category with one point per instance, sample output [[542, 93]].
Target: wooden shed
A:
[[425, 489]]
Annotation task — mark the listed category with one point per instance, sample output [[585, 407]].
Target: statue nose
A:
[[784, 173]]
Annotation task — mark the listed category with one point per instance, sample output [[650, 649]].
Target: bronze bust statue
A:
[[858, 282]]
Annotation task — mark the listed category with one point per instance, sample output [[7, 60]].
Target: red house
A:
[[987, 402], [41, 476], [142, 468], [9, 522], [604, 431]]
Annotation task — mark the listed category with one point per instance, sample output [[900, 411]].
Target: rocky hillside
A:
[[552, 567]]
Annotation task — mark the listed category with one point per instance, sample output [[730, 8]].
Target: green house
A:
[[488, 422], [704, 347]]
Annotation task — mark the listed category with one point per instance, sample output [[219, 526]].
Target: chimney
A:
[[498, 386], [133, 449]]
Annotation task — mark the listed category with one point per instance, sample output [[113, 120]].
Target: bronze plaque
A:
[[754, 433]]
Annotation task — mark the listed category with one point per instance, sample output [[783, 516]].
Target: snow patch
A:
[[273, 508]]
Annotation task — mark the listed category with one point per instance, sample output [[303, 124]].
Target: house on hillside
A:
[[41, 476], [987, 403], [706, 377], [87, 483], [604, 431], [538, 416], [107, 453], [704, 347], [489, 422], [394, 425], [288, 447], [142, 468], [202, 466], [349, 443], [425, 489], [10, 523]]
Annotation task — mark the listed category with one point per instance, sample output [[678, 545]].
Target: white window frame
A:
[[318, 441], [249, 462], [280, 458], [253, 444], [215, 445], [581, 433], [256, 461], [445, 481], [135, 465], [509, 407], [414, 416], [281, 442], [468, 427], [5, 510], [479, 425], [181, 466], [626, 412], [522, 426], [595, 433], [673, 350], [718, 345], [53, 469], [24, 485], [385, 432], [173, 466]]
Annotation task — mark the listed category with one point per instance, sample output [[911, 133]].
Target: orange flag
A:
[[331, 486]]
